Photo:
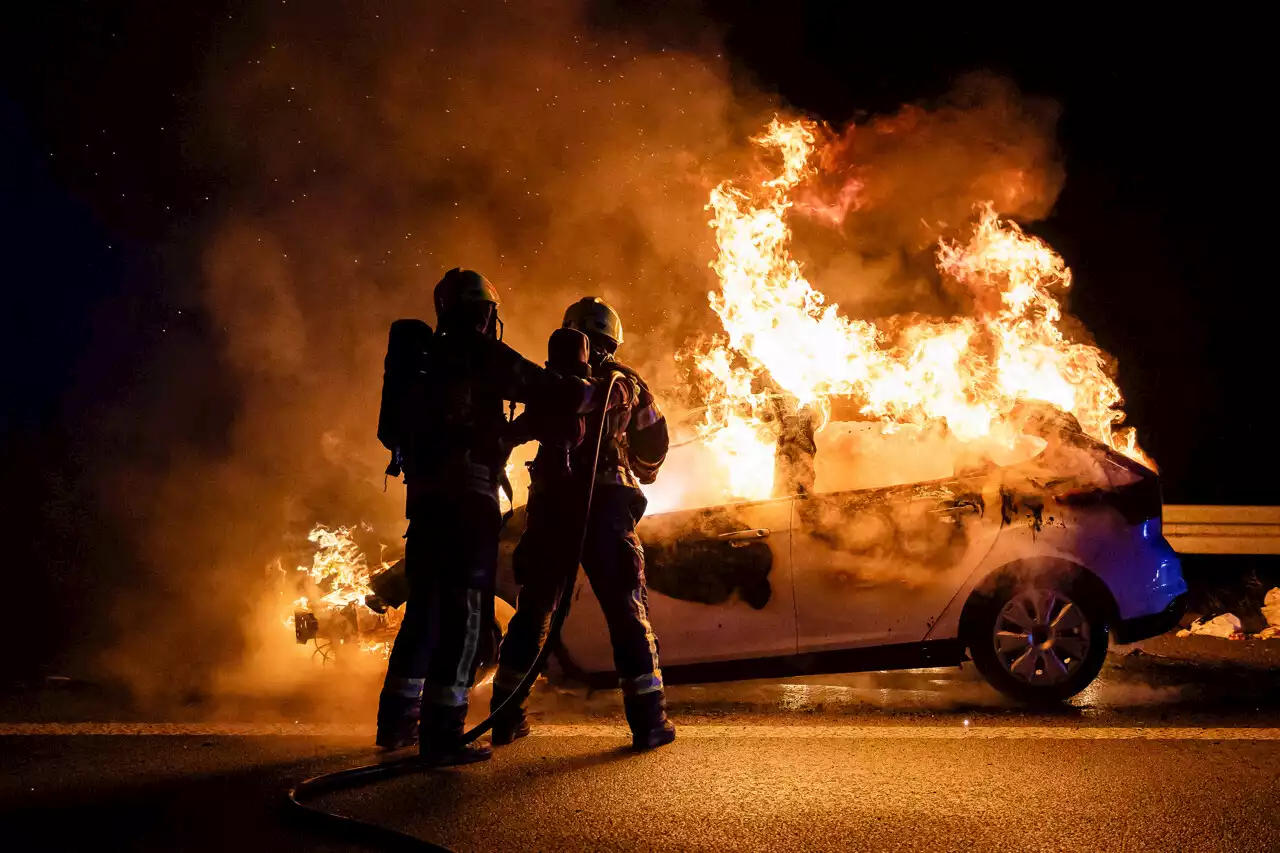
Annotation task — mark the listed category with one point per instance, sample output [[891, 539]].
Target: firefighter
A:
[[453, 458], [634, 446]]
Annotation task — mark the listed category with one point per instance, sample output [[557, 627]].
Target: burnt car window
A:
[[711, 571]]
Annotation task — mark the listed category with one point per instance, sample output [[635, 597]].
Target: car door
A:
[[877, 566], [720, 588]]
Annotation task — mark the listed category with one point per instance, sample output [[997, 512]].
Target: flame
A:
[[784, 345], [339, 580], [338, 566], [782, 336]]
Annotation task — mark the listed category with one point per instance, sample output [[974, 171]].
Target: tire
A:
[[1040, 639]]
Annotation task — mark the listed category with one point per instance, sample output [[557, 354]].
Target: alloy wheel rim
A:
[[1041, 637]]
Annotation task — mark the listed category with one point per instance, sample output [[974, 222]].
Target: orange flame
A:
[[781, 333], [338, 565], [340, 574]]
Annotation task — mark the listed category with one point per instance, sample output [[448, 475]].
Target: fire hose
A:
[[353, 777]]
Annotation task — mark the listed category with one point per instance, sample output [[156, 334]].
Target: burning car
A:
[[1028, 568], [887, 491], [981, 500]]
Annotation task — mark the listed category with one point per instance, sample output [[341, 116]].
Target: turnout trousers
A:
[[613, 560], [451, 555]]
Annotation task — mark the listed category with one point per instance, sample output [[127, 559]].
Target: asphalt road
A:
[[1178, 748]]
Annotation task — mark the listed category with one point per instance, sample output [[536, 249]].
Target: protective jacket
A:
[[636, 438]]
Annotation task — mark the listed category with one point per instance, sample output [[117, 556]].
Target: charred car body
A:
[[1027, 569]]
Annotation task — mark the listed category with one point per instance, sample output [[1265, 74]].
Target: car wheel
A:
[[1042, 640]]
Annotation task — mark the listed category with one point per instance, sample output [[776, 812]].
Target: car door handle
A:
[[951, 511], [739, 535]]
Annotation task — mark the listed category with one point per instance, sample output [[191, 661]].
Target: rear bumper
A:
[[1152, 625], [1145, 578]]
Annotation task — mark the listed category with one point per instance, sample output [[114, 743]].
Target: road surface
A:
[[1178, 748]]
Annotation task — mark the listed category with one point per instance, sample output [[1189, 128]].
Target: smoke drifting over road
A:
[[558, 151]]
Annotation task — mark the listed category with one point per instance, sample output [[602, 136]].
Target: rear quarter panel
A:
[[1128, 557]]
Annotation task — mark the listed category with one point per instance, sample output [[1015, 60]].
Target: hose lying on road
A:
[[354, 777]]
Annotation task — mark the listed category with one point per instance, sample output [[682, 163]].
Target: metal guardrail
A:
[[1193, 529]]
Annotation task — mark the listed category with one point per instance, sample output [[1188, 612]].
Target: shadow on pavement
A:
[[120, 794]]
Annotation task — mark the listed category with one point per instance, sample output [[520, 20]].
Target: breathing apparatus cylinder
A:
[[568, 351], [403, 371]]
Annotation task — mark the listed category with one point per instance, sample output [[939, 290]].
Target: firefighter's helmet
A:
[[593, 315], [463, 287]]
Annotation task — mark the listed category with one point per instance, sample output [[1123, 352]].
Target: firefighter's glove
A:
[[645, 473]]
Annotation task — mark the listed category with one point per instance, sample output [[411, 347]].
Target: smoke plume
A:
[[560, 154], [364, 154], [887, 190]]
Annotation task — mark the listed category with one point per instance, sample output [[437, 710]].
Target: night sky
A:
[[1164, 219]]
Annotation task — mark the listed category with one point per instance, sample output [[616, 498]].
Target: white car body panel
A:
[[878, 567], [1014, 545], [856, 584]]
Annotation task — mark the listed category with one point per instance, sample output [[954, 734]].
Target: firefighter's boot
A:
[[399, 709], [512, 724], [647, 717], [441, 744]]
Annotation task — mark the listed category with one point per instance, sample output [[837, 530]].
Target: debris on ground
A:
[[1271, 608], [1227, 626]]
